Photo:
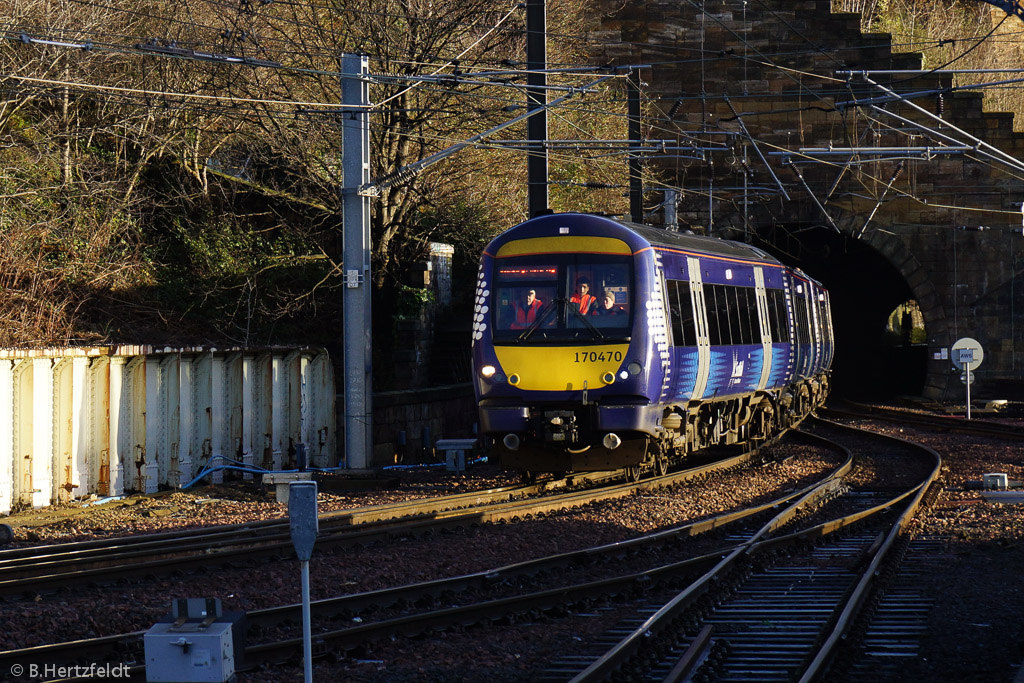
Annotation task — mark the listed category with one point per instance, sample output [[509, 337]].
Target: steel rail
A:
[[19, 562], [851, 609], [420, 516], [357, 515], [945, 423], [626, 648], [109, 647]]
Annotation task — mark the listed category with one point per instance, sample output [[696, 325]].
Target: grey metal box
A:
[[995, 480], [455, 451], [193, 652]]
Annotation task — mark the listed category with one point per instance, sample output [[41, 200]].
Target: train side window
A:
[[803, 335], [723, 303], [773, 314], [776, 316], [711, 306], [675, 311], [677, 290], [753, 326], [688, 318], [737, 315], [727, 310], [684, 332], [745, 313]]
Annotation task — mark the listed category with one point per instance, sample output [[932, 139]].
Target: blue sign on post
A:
[[302, 517]]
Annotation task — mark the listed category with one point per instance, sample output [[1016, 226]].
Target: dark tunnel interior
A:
[[865, 289]]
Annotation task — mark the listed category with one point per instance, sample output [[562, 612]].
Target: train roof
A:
[[657, 237], [712, 245]]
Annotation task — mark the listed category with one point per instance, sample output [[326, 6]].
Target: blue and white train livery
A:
[[600, 344]]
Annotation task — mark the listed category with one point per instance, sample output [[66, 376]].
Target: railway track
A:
[[783, 618], [515, 596], [681, 564], [31, 571], [59, 566], [942, 423]]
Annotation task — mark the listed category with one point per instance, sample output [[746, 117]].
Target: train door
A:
[[828, 337], [797, 332], [764, 326], [701, 325], [660, 326], [817, 340]]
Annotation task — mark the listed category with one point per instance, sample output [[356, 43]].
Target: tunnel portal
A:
[[870, 360]]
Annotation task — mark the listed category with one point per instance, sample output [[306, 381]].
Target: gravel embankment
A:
[[974, 634]]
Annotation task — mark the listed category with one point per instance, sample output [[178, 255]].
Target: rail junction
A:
[[780, 590]]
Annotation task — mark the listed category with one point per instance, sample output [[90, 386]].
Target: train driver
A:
[[583, 299], [526, 311], [607, 306]]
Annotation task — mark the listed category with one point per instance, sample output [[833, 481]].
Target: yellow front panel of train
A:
[[561, 368]]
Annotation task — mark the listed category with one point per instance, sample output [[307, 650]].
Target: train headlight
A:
[[635, 368], [624, 375], [608, 378], [513, 379], [611, 441], [511, 442], [488, 371]]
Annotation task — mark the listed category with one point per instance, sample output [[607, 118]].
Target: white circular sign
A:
[[967, 354]]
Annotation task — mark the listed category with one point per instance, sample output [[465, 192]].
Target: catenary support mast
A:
[[536, 96], [358, 382]]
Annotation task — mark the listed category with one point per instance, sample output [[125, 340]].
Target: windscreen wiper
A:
[[544, 313], [589, 325]]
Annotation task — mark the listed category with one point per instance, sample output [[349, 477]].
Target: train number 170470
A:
[[598, 356]]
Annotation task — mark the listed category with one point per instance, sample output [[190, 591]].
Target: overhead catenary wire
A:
[[267, 102]]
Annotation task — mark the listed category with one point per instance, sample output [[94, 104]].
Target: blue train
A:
[[600, 344]]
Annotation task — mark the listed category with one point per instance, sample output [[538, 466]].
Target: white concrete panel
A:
[[21, 495], [63, 431], [279, 401], [293, 407], [167, 464], [133, 445], [154, 435], [218, 415], [323, 410], [112, 420], [42, 454], [249, 416], [234, 369], [202, 413], [6, 435], [186, 421], [99, 423], [306, 428], [263, 411], [81, 427]]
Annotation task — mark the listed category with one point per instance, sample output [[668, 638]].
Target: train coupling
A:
[[560, 427]]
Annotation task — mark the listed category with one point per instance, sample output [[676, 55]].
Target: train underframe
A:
[[569, 439]]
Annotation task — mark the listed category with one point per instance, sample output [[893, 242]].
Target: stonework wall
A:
[[766, 77]]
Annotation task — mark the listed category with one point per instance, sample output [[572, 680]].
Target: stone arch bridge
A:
[[888, 187]]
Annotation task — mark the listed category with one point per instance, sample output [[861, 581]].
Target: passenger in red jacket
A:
[[526, 311], [583, 298]]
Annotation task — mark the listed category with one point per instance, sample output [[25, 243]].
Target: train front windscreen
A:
[[564, 297]]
